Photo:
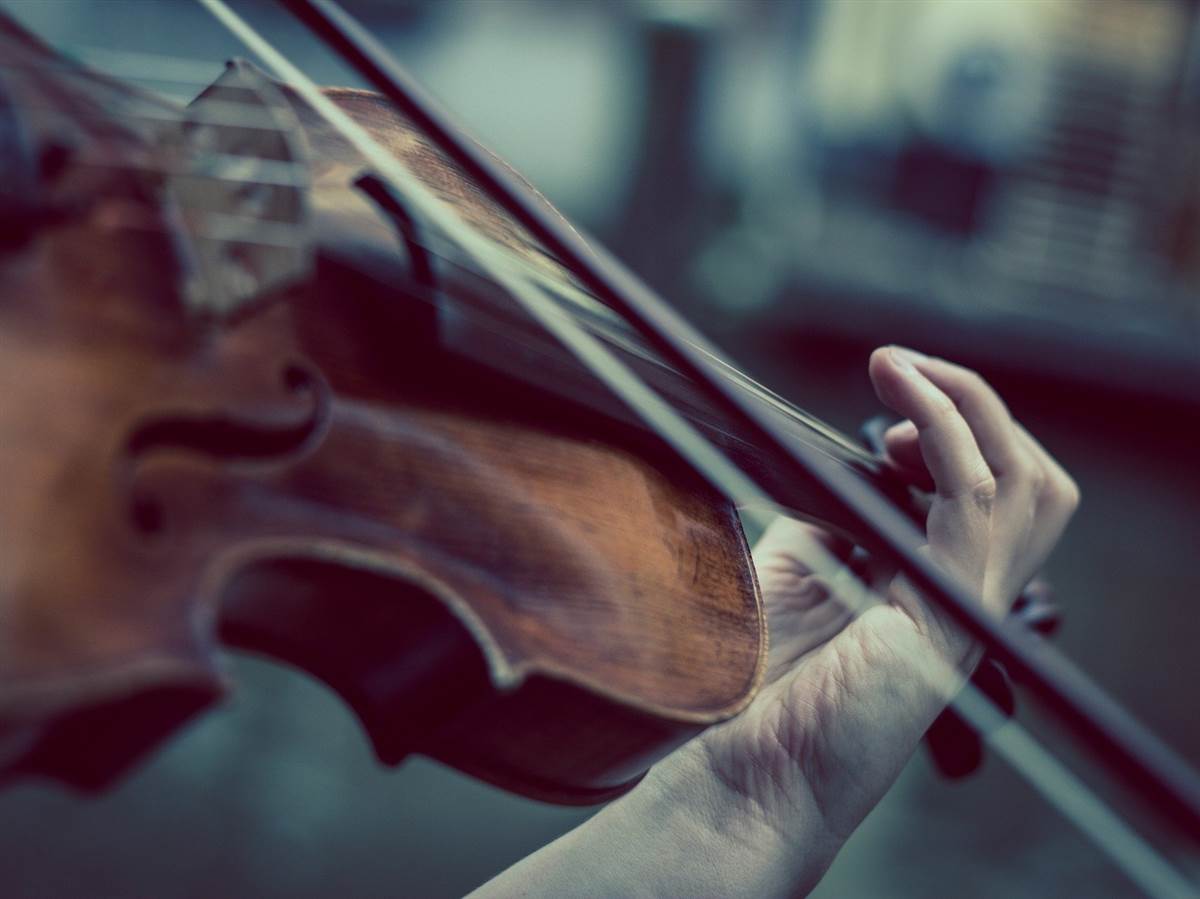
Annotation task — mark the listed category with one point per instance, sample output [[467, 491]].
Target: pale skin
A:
[[760, 805]]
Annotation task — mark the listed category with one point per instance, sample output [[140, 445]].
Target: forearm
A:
[[758, 806], [681, 832]]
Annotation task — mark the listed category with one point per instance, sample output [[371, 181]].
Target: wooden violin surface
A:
[[509, 586]]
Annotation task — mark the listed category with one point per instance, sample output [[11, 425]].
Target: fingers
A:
[[1017, 472], [985, 413], [948, 446], [1036, 497], [961, 434]]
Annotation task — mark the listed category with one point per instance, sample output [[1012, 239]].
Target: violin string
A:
[[567, 291], [1135, 857], [598, 318], [590, 313], [234, 114], [248, 115], [230, 227]]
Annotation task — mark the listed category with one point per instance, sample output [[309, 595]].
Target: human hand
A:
[[847, 699], [759, 805]]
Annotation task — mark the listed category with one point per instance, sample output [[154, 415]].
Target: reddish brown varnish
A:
[[496, 580]]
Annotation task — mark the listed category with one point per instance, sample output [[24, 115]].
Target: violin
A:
[[258, 400], [263, 443]]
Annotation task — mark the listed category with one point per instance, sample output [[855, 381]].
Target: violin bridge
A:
[[241, 195]]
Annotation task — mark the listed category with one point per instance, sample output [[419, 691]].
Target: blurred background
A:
[[1013, 185]]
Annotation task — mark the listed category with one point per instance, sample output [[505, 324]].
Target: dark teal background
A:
[[276, 794]]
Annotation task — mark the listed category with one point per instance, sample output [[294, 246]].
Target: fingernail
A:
[[901, 430]]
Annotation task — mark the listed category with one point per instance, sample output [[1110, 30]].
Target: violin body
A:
[[215, 442]]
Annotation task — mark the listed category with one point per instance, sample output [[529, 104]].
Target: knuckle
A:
[[1067, 492], [984, 489], [1061, 493], [980, 490]]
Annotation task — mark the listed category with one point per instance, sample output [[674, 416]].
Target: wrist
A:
[[778, 847], [677, 833]]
